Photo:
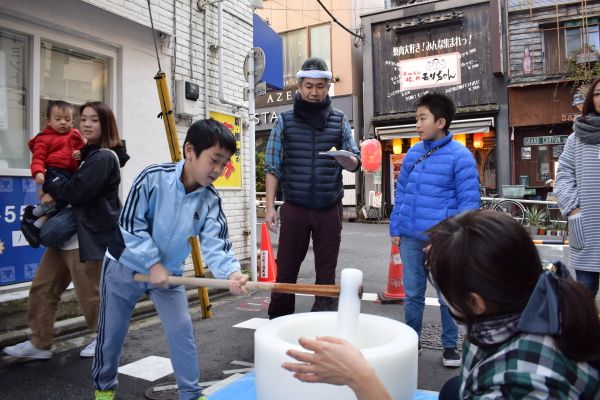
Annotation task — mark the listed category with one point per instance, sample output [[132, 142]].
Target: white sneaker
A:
[[27, 350], [89, 350]]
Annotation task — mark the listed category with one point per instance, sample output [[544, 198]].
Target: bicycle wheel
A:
[[486, 205], [512, 208]]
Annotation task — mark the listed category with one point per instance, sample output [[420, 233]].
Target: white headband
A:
[[314, 73]]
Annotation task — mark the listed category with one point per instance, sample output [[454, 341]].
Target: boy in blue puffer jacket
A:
[[167, 204], [438, 179]]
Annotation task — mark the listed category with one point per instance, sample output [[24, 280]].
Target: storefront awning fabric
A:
[[465, 126]]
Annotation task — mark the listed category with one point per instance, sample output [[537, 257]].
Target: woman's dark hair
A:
[[588, 103], [206, 133], [489, 253], [108, 124], [440, 105]]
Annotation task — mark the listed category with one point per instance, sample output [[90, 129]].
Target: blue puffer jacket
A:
[[442, 185]]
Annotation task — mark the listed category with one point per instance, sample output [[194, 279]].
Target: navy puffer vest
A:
[[310, 179]]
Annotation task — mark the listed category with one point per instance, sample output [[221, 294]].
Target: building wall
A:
[[526, 26], [120, 30], [287, 15], [541, 90]]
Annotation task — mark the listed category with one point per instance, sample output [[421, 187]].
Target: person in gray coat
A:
[[577, 190]]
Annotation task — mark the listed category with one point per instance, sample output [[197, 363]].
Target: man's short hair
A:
[[206, 133], [440, 105], [313, 64]]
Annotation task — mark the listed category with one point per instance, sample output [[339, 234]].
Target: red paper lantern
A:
[[370, 154], [478, 140]]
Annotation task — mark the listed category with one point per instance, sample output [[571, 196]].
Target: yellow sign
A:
[[232, 175]]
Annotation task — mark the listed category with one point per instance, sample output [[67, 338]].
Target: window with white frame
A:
[[70, 75], [298, 45], [14, 85], [65, 73]]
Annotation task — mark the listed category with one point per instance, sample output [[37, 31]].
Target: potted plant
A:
[[535, 218], [583, 65], [260, 172], [561, 228]]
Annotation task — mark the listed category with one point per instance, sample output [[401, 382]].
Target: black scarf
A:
[[588, 128], [312, 113]]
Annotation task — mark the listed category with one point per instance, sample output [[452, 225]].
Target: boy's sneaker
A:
[[28, 215], [202, 398], [105, 395], [89, 350], [30, 231], [27, 350], [451, 357]]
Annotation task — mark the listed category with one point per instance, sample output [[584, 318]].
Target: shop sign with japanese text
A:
[[440, 70], [231, 178], [544, 140]]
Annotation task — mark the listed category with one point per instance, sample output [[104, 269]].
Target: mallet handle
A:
[[317, 290]]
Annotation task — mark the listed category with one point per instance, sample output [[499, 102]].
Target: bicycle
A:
[[507, 206]]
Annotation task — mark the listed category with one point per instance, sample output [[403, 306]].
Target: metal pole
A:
[[173, 140], [252, 156]]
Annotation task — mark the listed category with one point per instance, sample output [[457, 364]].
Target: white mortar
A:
[[390, 346]]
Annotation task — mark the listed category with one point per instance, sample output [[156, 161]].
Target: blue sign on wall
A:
[[272, 45], [18, 260]]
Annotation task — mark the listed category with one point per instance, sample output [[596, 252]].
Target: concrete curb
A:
[[75, 325]]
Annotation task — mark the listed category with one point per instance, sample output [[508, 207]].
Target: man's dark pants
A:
[[297, 226]]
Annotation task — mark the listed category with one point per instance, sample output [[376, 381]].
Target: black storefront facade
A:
[[452, 47]]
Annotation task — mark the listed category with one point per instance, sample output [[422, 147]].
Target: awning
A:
[[457, 127]]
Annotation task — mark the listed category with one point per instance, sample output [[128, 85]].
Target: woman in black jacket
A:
[[93, 194]]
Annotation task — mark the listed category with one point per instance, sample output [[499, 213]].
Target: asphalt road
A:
[[223, 348]]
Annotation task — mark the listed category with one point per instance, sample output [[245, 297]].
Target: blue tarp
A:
[[244, 389]]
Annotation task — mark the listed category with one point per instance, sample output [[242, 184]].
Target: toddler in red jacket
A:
[[55, 154]]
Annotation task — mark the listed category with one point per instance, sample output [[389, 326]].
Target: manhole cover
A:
[[430, 337], [163, 390]]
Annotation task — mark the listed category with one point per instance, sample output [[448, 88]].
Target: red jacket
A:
[[51, 149]]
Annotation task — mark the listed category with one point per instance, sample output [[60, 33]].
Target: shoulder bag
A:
[[58, 230]]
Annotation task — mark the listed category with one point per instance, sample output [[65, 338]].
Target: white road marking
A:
[[237, 371], [149, 368], [220, 384], [253, 323]]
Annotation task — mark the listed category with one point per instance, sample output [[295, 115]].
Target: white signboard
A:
[[440, 70]]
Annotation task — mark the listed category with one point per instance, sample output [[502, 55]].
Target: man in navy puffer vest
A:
[[311, 182]]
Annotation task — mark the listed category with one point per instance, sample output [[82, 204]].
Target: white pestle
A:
[[349, 304]]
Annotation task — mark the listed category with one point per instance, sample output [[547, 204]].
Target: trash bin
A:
[[524, 180]]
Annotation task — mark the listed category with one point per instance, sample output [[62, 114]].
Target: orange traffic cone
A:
[[268, 268], [395, 288]]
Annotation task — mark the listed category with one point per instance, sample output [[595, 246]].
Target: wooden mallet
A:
[[295, 288]]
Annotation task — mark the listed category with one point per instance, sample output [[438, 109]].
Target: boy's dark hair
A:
[[588, 103], [464, 259], [108, 124], [440, 105], [60, 104], [206, 133]]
